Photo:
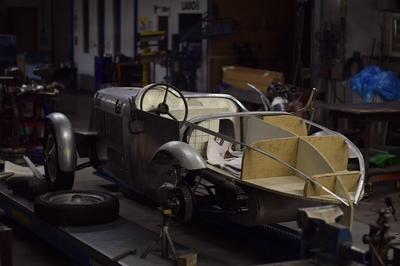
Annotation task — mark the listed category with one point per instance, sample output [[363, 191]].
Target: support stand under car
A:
[[165, 237]]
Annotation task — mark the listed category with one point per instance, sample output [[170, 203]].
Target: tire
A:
[[56, 178], [181, 201], [77, 207]]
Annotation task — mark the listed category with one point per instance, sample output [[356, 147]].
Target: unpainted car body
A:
[[151, 149]]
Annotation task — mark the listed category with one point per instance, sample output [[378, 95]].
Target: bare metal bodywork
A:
[[143, 151], [65, 140], [187, 156]]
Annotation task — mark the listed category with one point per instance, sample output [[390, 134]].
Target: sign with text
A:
[[192, 6]]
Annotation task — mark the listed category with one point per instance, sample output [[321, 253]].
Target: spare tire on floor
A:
[[77, 207]]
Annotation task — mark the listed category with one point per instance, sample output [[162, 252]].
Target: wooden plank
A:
[[310, 161], [310, 189], [256, 129], [286, 184], [349, 181], [363, 108], [256, 165], [333, 148], [291, 123]]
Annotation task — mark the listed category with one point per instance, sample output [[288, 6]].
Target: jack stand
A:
[[164, 238]]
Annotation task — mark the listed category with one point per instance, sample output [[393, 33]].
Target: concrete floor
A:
[[222, 247]]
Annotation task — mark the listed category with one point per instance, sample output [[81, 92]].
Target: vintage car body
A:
[[144, 149]]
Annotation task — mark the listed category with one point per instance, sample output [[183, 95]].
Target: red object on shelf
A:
[[22, 119]]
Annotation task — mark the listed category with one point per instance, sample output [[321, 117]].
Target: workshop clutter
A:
[[238, 77], [373, 80], [23, 105]]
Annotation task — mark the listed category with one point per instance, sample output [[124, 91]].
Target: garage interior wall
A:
[[84, 61], [267, 26], [363, 19]]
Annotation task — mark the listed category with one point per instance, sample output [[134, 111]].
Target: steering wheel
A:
[[158, 98]]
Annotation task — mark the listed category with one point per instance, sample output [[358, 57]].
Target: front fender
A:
[[188, 157], [66, 149]]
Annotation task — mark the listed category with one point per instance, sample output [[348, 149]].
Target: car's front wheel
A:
[[55, 177], [181, 202]]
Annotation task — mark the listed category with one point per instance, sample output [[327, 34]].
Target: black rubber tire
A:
[[62, 180], [104, 211], [182, 194]]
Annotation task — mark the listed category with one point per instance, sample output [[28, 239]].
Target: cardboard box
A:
[[189, 259], [238, 77]]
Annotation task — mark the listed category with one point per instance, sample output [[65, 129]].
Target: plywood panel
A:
[[310, 161], [348, 179], [291, 123], [329, 182], [257, 165], [286, 184], [256, 129], [333, 148]]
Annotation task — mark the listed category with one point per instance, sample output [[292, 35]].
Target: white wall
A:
[[109, 28], [84, 61], [146, 9], [127, 27]]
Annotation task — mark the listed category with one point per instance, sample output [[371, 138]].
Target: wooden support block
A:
[[189, 259], [6, 254]]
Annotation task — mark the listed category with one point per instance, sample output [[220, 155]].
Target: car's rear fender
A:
[[186, 155], [65, 141]]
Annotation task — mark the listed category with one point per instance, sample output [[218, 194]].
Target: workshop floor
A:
[[221, 246]]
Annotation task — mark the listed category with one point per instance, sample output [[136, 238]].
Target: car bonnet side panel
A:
[[110, 117]]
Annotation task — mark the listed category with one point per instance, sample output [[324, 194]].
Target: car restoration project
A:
[[207, 154]]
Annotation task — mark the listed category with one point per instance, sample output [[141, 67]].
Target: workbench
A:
[[110, 244], [367, 114], [213, 240]]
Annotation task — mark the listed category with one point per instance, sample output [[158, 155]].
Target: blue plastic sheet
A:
[[373, 80]]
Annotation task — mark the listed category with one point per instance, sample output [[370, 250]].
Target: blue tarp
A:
[[373, 80]]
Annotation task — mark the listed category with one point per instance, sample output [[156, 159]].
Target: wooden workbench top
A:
[[364, 108]]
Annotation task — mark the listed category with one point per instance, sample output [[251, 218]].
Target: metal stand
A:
[[164, 238]]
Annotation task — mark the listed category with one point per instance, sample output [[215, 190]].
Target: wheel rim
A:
[[182, 203], [50, 158], [76, 199]]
